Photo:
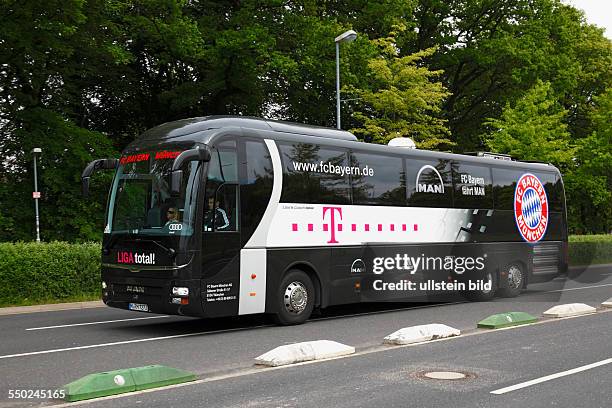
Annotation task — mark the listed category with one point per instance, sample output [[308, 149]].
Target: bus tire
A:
[[295, 298], [483, 295], [516, 280]]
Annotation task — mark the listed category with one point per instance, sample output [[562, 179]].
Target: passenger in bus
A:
[[215, 215]]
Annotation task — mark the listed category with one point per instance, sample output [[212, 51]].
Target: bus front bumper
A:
[[153, 296]]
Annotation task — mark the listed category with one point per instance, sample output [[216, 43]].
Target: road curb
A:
[[5, 311]]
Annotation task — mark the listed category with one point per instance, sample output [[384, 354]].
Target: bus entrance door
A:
[[221, 253]]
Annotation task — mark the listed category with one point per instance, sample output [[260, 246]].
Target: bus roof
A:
[[194, 127], [188, 126]]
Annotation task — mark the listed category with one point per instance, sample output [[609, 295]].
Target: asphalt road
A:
[[393, 377], [34, 354]]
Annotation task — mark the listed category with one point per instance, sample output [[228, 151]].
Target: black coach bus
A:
[[223, 216]]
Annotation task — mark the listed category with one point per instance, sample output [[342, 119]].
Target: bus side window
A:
[[226, 208], [504, 184], [220, 207], [221, 213], [429, 183], [554, 190], [378, 179], [473, 186], [314, 174]]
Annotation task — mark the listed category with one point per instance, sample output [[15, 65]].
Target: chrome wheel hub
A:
[[295, 298], [488, 278], [515, 277]]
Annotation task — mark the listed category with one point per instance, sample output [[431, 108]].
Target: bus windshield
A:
[[140, 201]]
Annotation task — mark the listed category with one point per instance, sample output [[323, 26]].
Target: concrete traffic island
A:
[[301, 352], [501, 320], [419, 334], [570, 309], [126, 380]]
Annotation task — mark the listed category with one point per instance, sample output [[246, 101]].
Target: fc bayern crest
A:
[[530, 208]]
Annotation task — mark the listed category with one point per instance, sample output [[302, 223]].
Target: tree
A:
[[403, 100], [46, 62], [589, 186], [532, 129], [492, 52]]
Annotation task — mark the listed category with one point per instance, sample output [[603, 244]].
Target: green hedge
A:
[[590, 249], [34, 273]]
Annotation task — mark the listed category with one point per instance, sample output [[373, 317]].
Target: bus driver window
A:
[[221, 212], [215, 215]]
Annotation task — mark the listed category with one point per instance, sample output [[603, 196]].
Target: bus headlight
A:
[[180, 291]]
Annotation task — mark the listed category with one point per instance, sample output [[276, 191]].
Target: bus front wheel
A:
[[295, 298]]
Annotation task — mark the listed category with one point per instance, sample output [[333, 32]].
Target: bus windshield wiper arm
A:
[[171, 252], [111, 242]]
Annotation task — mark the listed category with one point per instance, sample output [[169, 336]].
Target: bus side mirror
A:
[[100, 164], [176, 177], [176, 182]]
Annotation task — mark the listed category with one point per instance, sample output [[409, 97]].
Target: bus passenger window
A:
[[504, 184], [314, 174], [429, 183], [378, 179], [473, 186], [221, 213]]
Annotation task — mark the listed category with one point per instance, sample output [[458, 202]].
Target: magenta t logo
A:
[[333, 222]]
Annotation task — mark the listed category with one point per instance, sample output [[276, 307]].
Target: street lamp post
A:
[[347, 36], [36, 151]]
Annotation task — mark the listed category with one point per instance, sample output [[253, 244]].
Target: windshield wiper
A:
[[111, 242], [171, 252]]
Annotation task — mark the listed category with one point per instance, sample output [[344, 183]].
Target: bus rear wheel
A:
[[483, 295], [295, 298], [515, 281]]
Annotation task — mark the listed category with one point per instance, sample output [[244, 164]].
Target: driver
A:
[[172, 215]]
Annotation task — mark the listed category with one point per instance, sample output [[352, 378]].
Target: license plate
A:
[[141, 307]]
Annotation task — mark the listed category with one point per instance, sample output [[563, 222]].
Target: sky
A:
[[598, 12]]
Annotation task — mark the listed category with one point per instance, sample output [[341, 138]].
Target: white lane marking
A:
[[89, 323], [579, 288], [116, 343], [407, 308], [551, 377]]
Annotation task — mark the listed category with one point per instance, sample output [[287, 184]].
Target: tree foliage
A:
[[82, 78], [532, 129], [403, 99]]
